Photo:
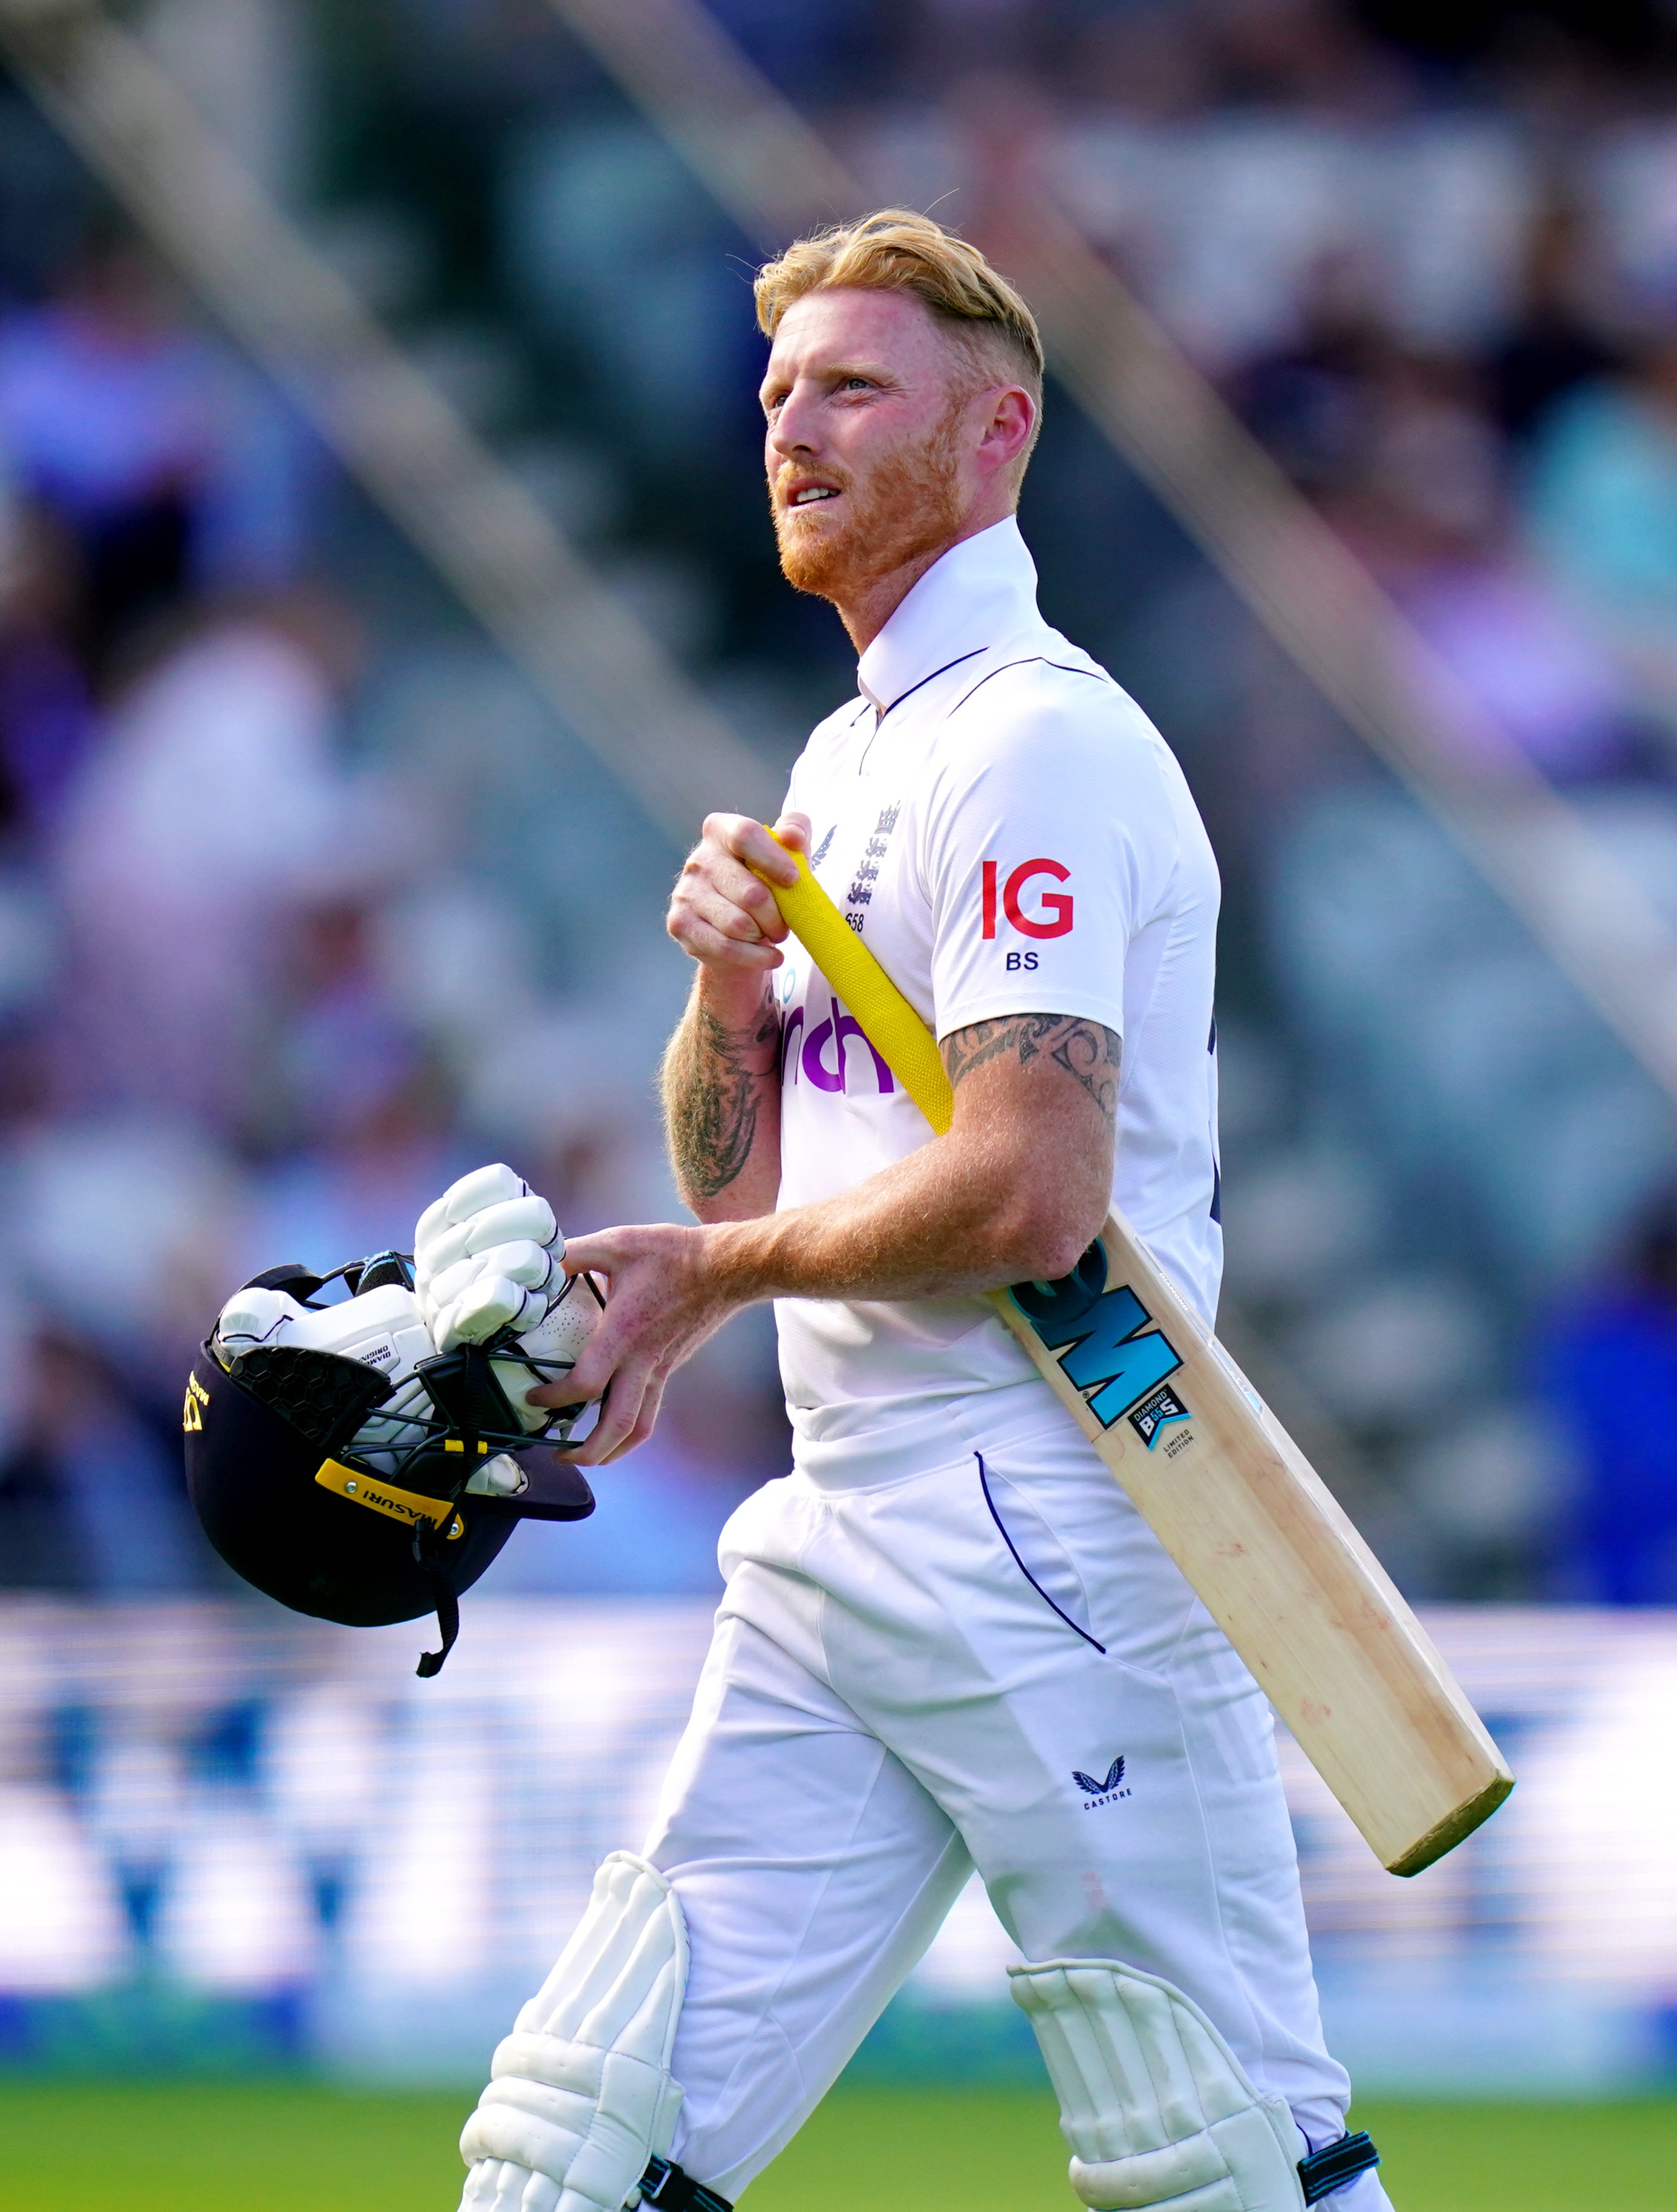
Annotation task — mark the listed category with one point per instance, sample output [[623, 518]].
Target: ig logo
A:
[[1054, 917]]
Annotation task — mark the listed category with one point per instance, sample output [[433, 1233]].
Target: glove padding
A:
[[552, 1347], [488, 1254]]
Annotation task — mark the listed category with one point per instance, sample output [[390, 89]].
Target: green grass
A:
[[282, 2146]]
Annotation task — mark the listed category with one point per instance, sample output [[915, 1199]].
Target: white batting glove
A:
[[382, 1328], [488, 1253]]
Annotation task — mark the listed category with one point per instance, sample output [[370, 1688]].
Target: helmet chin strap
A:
[[463, 1384], [427, 1543]]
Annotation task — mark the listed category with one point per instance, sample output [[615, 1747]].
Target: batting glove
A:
[[489, 1253], [383, 1328]]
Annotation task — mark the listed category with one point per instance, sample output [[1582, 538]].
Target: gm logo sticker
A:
[[1108, 1344]]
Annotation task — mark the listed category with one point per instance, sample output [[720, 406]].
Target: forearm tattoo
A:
[[1088, 1052], [712, 1094]]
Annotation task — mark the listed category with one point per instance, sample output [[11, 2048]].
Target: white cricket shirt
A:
[[1009, 835]]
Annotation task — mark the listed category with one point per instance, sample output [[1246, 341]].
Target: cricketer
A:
[[947, 1641]]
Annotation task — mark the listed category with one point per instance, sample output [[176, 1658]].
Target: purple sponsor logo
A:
[[825, 1057]]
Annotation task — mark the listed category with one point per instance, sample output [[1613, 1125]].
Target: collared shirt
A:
[[1009, 835]]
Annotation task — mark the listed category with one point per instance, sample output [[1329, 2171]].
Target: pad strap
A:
[[664, 2184], [1330, 2169]]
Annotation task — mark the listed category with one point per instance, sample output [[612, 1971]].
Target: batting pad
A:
[[580, 2095], [1155, 2105]]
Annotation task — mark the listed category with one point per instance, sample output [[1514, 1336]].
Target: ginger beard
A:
[[907, 504]]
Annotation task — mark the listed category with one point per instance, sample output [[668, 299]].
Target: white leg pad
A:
[[581, 2094], [1155, 2105]]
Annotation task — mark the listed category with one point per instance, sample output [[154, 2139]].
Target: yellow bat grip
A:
[[890, 1024]]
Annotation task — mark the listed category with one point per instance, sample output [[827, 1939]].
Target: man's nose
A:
[[793, 429]]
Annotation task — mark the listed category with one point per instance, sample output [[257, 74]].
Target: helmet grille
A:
[[323, 1396]]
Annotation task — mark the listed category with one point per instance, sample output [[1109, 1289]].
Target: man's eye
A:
[[857, 383]]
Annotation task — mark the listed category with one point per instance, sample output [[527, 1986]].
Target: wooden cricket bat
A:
[[1257, 1533]]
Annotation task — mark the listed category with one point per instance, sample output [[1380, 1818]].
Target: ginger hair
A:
[[898, 251]]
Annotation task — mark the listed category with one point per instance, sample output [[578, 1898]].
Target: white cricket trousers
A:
[[925, 1671]]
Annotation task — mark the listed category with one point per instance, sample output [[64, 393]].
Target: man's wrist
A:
[[735, 1260], [737, 998]]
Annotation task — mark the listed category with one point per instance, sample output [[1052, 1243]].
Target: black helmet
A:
[[293, 1508]]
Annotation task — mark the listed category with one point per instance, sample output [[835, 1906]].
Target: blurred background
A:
[[317, 890]]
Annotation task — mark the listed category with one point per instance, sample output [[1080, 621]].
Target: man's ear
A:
[[1012, 416]]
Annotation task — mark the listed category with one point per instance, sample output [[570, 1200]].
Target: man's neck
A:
[[866, 612]]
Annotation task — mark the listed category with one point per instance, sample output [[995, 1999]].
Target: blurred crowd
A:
[[306, 905], [252, 1006]]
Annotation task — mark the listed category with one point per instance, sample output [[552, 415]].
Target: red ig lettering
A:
[[1056, 905]]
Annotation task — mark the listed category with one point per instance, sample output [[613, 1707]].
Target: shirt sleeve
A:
[[1049, 842]]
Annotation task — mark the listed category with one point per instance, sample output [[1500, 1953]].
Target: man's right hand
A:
[[722, 913], [722, 1072]]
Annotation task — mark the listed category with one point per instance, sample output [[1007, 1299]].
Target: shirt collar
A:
[[980, 592]]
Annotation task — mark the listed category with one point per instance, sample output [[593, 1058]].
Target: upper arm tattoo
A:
[[713, 1114], [1087, 1051]]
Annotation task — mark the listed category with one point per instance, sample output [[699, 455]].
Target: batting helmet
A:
[[364, 1538]]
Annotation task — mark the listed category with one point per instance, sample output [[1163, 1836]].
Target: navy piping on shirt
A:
[[881, 712], [1028, 660], [932, 678]]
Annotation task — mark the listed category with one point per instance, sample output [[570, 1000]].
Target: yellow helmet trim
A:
[[368, 1490]]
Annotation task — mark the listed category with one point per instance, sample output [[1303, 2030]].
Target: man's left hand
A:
[[664, 1302]]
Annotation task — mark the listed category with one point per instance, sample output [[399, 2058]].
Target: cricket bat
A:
[[1256, 1532]]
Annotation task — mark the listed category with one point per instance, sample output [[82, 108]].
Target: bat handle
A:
[[890, 1023]]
